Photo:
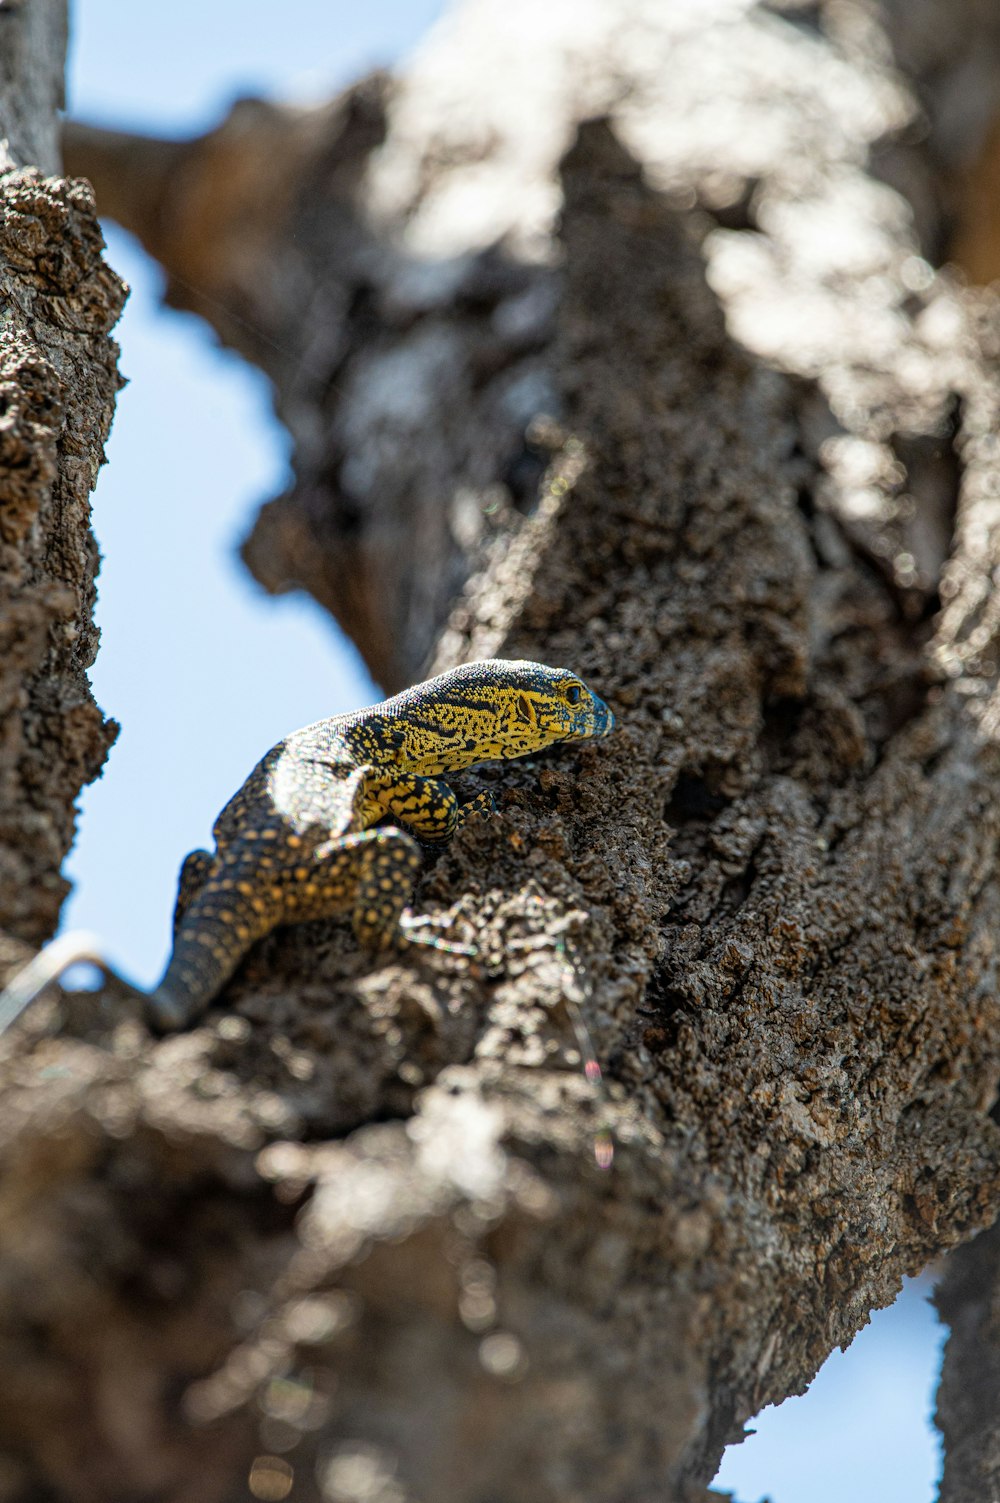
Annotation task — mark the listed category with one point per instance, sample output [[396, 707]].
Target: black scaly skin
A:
[[297, 841]]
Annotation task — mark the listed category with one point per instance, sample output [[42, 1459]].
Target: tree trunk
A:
[[603, 339], [968, 1406], [58, 380]]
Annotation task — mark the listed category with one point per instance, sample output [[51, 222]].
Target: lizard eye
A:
[[573, 694]]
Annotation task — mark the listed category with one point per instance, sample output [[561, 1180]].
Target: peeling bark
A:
[[672, 396], [58, 380]]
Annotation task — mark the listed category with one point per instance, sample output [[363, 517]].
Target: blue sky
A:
[[862, 1432], [205, 672]]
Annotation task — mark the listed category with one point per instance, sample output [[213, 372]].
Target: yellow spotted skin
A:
[[302, 838]]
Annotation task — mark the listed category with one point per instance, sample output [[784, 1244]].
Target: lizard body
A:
[[301, 839]]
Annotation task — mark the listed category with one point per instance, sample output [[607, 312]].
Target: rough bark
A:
[[349, 1237], [58, 381], [968, 1401], [32, 56]]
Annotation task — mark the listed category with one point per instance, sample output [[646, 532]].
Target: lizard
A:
[[303, 838]]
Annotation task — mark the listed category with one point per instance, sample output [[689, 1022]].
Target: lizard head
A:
[[479, 712]]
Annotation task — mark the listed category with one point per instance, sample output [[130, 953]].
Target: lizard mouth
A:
[[598, 721], [604, 720]]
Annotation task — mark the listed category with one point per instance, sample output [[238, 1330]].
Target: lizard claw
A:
[[410, 925]]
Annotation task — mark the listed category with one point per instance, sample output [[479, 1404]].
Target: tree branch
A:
[[968, 1401], [363, 1203]]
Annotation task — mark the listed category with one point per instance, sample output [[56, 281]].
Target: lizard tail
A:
[[166, 1011], [215, 933]]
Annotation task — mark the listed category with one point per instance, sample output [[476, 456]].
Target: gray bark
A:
[[32, 55], [350, 1236], [968, 1400], [58, 381]]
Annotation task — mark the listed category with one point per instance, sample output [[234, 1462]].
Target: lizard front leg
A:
[[426, 807], [481, 803]]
